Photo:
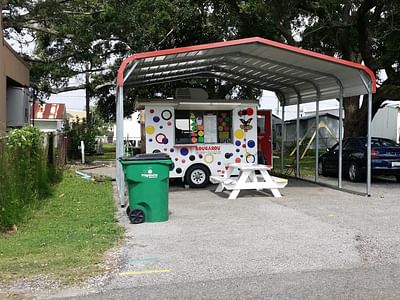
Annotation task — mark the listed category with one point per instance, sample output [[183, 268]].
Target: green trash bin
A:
[[147, 176]]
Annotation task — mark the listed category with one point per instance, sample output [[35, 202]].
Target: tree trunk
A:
[[353, 126], [356, 117]]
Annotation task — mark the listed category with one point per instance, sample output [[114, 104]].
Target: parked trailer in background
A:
[[203, 136], [386, 122]]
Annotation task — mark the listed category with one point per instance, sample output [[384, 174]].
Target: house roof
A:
[[310, 117], [292, 73], [49, 111]]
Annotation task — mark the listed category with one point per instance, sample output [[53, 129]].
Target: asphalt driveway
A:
[[313, 242]]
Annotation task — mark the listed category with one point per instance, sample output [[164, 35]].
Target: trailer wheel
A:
[[197, 176]]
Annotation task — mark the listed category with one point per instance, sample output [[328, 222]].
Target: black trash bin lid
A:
[[147, 156]]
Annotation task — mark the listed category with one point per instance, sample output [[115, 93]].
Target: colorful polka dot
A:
[[178, 170], [156, 119], [251, 144], [183, 161], [239, 133], [151, 110], [172, 150], [169, 123], [228, 155], [209, 158], [238, 143], [237, 150], [238, 160], [192, 157], [250, 111], [160, 138], [184, 151], [150, 129], [166, 114], [250, 158]]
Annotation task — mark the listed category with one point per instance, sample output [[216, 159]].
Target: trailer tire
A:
[[197, 176]]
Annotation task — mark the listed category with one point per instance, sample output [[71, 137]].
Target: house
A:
[[132, 129], [14, 83], [386, 122], [49, 117], [74, 116], [328, 129]]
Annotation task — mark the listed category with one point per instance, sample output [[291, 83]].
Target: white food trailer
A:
[[203, 136]]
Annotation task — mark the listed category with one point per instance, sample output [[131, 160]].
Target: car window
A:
[[335, 147], [388, 143], [381, 143], [351, 144]]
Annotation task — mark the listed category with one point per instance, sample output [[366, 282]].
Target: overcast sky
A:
[[75, 101]]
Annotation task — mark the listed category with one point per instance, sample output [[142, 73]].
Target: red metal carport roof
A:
[[292, 73]]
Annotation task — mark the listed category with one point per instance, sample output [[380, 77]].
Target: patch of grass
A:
[[109, 153], [67, 237], [307, 164]]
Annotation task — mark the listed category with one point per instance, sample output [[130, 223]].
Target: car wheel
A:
[[321, 169], [354, 172], [197, 176]]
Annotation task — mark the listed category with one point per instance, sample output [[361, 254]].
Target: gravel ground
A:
[[210, 238]]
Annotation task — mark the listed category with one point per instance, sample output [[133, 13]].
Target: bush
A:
[[78, 131], [24, 174]]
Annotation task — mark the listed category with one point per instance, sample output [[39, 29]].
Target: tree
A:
[[366, 32], [65, 49]]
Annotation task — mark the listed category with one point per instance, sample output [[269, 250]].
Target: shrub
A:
[[78, 131], [24, 174]]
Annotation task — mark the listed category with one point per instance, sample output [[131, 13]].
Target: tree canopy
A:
[[87, 39]]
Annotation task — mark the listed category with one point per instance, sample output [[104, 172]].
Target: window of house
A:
[[202, 127]]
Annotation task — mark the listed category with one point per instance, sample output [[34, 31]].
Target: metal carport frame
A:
[[295, 75]]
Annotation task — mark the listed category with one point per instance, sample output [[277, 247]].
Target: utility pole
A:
[[87, 90]]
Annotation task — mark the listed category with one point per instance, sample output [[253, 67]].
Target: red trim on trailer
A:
[[126, 61]]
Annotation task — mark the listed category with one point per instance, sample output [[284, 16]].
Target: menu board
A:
[[210, 129]]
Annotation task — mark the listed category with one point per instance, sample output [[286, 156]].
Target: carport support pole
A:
[[120, 145], [283, 133], [298, 138], [369, 141], [340, 137], [316, 136], [368, 85]]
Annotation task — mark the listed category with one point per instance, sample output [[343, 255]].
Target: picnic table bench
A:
[[248, 180]]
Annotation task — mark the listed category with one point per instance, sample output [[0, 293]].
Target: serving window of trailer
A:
[[203, 127]]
